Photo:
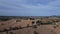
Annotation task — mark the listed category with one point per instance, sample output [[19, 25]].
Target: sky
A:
[[29, 7]]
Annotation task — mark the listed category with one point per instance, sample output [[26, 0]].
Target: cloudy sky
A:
[[29, 7]]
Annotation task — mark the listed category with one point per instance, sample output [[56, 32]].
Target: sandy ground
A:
[[42, 29]]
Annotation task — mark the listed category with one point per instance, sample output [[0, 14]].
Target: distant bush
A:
[[11, 33], [18, 20], [33, 22], [10, 28], [6, 29], [47, 23], [1, 31], [4, 18], [20, 27], [54, 26], [35, 32], [15, 28], [32, 19], [27, 25], [57, 25], [34, 26], [38, 22], [2, 23]]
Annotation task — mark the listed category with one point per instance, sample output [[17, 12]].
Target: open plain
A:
[[29, 25]]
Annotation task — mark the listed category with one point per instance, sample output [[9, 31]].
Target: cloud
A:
[[29, 7]]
